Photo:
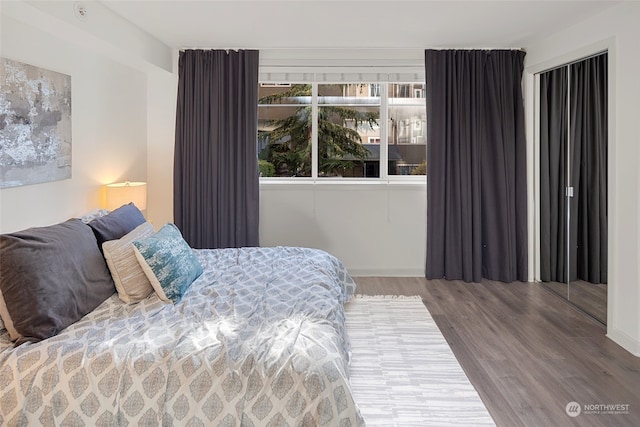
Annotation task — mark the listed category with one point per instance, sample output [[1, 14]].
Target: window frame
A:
[[316, 76]]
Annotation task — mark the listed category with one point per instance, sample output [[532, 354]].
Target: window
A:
[[346, 118], [284, 130], [342, 130], [406, 134]]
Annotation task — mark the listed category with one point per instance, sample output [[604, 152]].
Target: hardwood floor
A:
[[527, 352]]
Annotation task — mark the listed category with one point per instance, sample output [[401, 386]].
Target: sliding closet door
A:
[[573, 183], [553, 178], [588, 142]]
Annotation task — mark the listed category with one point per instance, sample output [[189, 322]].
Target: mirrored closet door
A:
[[573, 183]]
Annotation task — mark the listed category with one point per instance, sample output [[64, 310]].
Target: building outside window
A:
[[406, 130]]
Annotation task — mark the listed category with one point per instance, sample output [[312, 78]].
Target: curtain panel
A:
[[476, 166], [216, 180]]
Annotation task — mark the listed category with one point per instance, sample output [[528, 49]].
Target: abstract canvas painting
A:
[[35, 124]]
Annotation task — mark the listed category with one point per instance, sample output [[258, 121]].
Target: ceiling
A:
[[264, 24]]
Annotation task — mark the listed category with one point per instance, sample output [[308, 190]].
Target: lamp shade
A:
[[121, 193]]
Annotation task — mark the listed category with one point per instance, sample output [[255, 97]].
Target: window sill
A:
[[343, 183]]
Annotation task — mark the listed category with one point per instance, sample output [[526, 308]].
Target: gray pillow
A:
[[50, 277], [117, 223]]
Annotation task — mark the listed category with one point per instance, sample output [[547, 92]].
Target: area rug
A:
[[403, 372]]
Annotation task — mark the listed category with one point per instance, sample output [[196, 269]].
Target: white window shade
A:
[[322, 75]]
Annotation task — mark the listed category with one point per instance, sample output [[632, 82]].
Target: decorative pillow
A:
[[117, 223], [5, 319], [50, 277], [131, 282], [168, 262]]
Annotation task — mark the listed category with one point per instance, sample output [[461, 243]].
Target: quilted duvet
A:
[[258, 340]]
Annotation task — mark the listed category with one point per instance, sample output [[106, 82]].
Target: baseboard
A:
[[386, 272], [625, 341]]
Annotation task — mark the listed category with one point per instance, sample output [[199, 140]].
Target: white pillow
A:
[[5, 309], [5, 320], [131, 282]]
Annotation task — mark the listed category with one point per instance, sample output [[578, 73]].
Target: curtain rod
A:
[[423, 48], [182, 49]]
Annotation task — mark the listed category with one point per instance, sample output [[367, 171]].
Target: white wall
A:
[[109, 122], [161, 106], [618, 29], [375, 229]]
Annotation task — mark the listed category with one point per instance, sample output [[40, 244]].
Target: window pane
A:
[[284, 130], [348, 130], [407, 129]]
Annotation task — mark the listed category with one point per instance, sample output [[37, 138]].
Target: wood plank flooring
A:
[[527, 352]]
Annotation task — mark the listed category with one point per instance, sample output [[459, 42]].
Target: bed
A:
[[257, 339]]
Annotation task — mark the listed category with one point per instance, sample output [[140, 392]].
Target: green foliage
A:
[[266, 168], [339, 146], [292, 92]]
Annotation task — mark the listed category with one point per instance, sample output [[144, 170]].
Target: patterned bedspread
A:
[[259, 339]]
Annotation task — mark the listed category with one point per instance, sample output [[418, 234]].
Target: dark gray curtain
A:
[[476, 166], [584, 86], [216, 193], [553, 175]]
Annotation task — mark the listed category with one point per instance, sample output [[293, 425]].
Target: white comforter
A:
[[259, 339]]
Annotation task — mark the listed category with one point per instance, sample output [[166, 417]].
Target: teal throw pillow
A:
[[168, 262]]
